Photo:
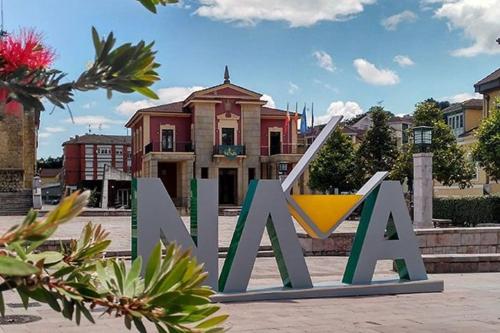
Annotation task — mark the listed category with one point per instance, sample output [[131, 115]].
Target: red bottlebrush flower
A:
[[24, 50]]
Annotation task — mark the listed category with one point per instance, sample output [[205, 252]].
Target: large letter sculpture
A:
[[384, 232], [158, 216], [264, 207]]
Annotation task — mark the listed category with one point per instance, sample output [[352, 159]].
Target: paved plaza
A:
[[120, 229], [470, 302]]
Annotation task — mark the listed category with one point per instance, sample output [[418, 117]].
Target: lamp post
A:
[[422, 177]]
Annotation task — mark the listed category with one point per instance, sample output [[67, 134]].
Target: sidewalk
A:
[[470, 303]]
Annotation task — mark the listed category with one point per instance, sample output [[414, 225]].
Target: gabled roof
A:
[[267, 111], [473, 103], [490, 82], [176, 107], [100, 139], [222, 90], [50, 172]]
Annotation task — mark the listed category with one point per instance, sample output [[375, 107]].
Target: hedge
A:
[[468, 211]]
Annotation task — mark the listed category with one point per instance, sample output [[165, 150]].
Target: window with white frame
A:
[[456, 122]]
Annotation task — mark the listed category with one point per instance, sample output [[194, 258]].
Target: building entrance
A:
[[167, 172], [228, 184]]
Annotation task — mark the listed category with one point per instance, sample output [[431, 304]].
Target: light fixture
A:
[[422, 138]]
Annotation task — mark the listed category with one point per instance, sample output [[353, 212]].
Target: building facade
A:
[[90, 159], [223, 132], [18, 144], [464, 118]]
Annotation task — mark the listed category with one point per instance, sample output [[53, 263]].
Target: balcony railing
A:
[[284, 148], [229, 151], [177, 147]]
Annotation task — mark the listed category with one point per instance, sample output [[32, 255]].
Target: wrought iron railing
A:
[[177, 147], [229, 151]]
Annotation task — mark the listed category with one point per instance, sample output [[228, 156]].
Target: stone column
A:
[[422, 190]]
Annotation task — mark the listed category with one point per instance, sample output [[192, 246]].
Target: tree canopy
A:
[[333, 167], [378, 150], [487, 149], [450, 164]]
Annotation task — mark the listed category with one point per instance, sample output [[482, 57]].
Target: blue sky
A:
[[343, 55]]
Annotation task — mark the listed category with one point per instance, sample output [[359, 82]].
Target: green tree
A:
[[487, 149], [450, 164], [378, 150], [75, 279], [332, 168], [50, 162]]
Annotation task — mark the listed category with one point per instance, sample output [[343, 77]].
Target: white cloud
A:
[[292, 88], [391, 23], [54, 129], [461, 97], [89, 105], [94, 121], [297, 13], [338, 108], [270, 101], [479, 20], [166, 95], [44, 134], [403, 60], [324, 60], [373, 75]]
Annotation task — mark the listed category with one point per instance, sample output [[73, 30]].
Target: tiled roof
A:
[[50, 172], [175, 107], [352, 130], [474, 103], [492, 77], [404, 119], [100, 139], [468, 104], [267, 111]]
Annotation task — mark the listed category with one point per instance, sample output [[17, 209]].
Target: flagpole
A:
[[288, 124]]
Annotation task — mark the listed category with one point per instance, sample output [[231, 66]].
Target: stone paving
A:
[[119, 228], [470, 303]]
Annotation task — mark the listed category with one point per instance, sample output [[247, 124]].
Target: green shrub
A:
[[468, 211]]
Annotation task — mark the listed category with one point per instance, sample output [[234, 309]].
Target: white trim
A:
[[228, 122], [167, 126], [274, 129]]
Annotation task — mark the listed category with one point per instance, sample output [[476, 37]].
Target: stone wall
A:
[[17, 149], [431, 241], [11, 180]]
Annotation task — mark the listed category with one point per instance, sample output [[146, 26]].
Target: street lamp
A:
[[422, 177], [422, 138]]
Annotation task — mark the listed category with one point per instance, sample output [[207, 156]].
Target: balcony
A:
[[229, 151], [182, 147], [283, 148]]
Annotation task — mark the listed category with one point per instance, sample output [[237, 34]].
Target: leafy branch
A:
[[151, 4], [127, 68], [171, 294]]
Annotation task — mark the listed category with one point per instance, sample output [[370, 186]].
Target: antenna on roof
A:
[[226, 75], [90, 129]]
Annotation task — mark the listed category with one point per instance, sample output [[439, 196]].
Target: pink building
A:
[[222, 132]]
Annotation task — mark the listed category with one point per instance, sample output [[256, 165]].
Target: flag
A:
[[303, 121], [287, 123], [312, 116], [296, 116]]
